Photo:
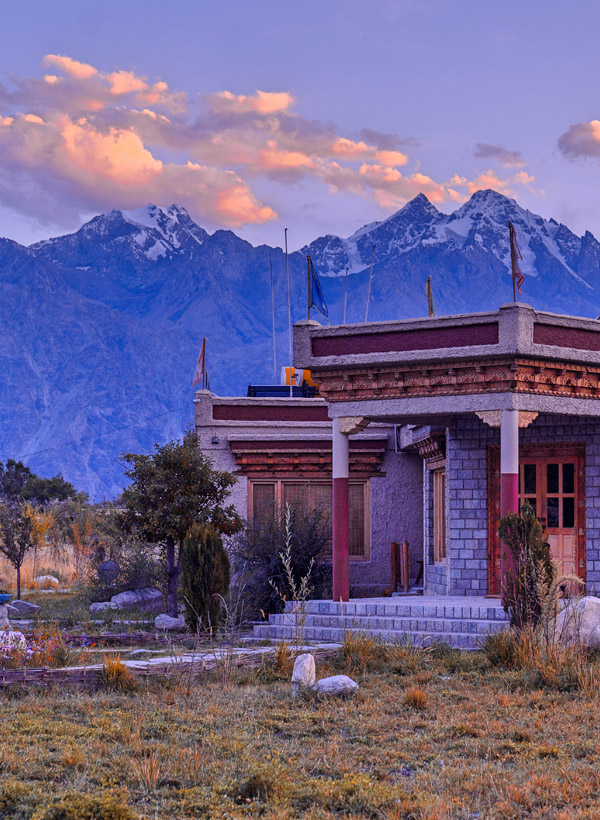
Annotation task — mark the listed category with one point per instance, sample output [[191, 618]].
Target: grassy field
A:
[[442, 736]]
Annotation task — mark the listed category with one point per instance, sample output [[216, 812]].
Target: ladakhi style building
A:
[[427, 431]]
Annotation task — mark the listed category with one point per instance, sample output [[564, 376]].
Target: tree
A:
[[170, 490], [204, 577], [17, 480], [17, 536]]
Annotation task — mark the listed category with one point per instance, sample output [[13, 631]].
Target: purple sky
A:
[[362, 106]]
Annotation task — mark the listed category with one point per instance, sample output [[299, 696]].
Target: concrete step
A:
[[480, 626], [461, 640], [404, 609]]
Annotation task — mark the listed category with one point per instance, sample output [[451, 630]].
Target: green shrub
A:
[[204, 577], [140, 567]]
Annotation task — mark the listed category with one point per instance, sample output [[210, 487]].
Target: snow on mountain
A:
[[100, 329]]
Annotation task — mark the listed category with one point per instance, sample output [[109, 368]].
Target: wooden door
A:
[[552, 479], [550, 486]]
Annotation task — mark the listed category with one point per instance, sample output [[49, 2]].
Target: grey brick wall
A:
[[466, 476]]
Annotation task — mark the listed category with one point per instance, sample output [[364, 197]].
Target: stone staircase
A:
[[457, 621]]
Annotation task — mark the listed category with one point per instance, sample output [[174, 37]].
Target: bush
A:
[[258, 566], [139, 563], [204, 577], [526, 585]]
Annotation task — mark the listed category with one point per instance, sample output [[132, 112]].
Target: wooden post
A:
[[405, 566], [395, 563]]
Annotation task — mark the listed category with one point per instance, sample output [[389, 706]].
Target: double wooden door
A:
[[552, 480]]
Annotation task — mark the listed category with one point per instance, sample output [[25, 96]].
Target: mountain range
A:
[[100, 329]]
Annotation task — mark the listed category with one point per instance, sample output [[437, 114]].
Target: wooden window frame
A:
[[279, 500], [438, 477]]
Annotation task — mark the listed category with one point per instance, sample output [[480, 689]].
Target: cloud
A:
[[506, 158], [581, 140], [80, 71], [79, 140]]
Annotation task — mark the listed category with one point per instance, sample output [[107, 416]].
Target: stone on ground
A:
[[303, 676], [47, 582], [335, 685], [4, 622], [101, 606], [25, 608], [148, 600], [170, 624], [579, 623]]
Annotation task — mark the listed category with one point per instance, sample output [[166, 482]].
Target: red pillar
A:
[[340, 543], [509, 478]]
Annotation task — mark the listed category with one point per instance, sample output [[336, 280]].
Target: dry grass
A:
[[490, 744]]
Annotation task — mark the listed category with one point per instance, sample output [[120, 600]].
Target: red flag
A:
[[515, 256], [200, 371]]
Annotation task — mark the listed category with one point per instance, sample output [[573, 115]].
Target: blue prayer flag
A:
[[317, 300]]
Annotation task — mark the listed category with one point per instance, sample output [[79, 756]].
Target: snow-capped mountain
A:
[[100, 329]]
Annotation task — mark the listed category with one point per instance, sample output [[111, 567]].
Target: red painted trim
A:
[[400, 341], [301, 444], [249, 412], [340, 541], [574, 337]]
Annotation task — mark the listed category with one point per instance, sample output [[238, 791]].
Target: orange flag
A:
[[200, 371]]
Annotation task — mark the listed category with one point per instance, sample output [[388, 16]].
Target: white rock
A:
[[303, 676], [12, 640], [101, 606], [579, 622], [335, 685], [47, 582], [147, 600], [25, 608], [170, 624]]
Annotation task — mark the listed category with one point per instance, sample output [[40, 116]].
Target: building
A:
[[441, 425]]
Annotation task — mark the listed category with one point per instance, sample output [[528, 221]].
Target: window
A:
[[265, 497], [439, 514]]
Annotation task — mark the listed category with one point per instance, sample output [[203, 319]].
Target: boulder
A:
[[579, 623], [10, 639], [146, 600], [4, 622], [25, 609], [335, 685], [47, 582], [303, 675], [101, 606], [169, 624]]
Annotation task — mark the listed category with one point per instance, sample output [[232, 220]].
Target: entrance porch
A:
[[502, 407]]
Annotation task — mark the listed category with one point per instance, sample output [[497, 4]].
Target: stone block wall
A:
[[466, 476]]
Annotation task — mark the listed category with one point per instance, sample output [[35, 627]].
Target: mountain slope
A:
[[100, 329]]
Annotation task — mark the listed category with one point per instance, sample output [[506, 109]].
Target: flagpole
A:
[[204, 366], [308, 278], [273, 317], [287, 275], [512, 260], [369, 289], [345, 294]]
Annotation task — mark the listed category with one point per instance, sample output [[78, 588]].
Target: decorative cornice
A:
[[493, 418], [352, 424], [516, 375], [432, 449]]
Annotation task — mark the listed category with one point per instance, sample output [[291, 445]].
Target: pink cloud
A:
[[263, 102], [92, 140], [80, 71]]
